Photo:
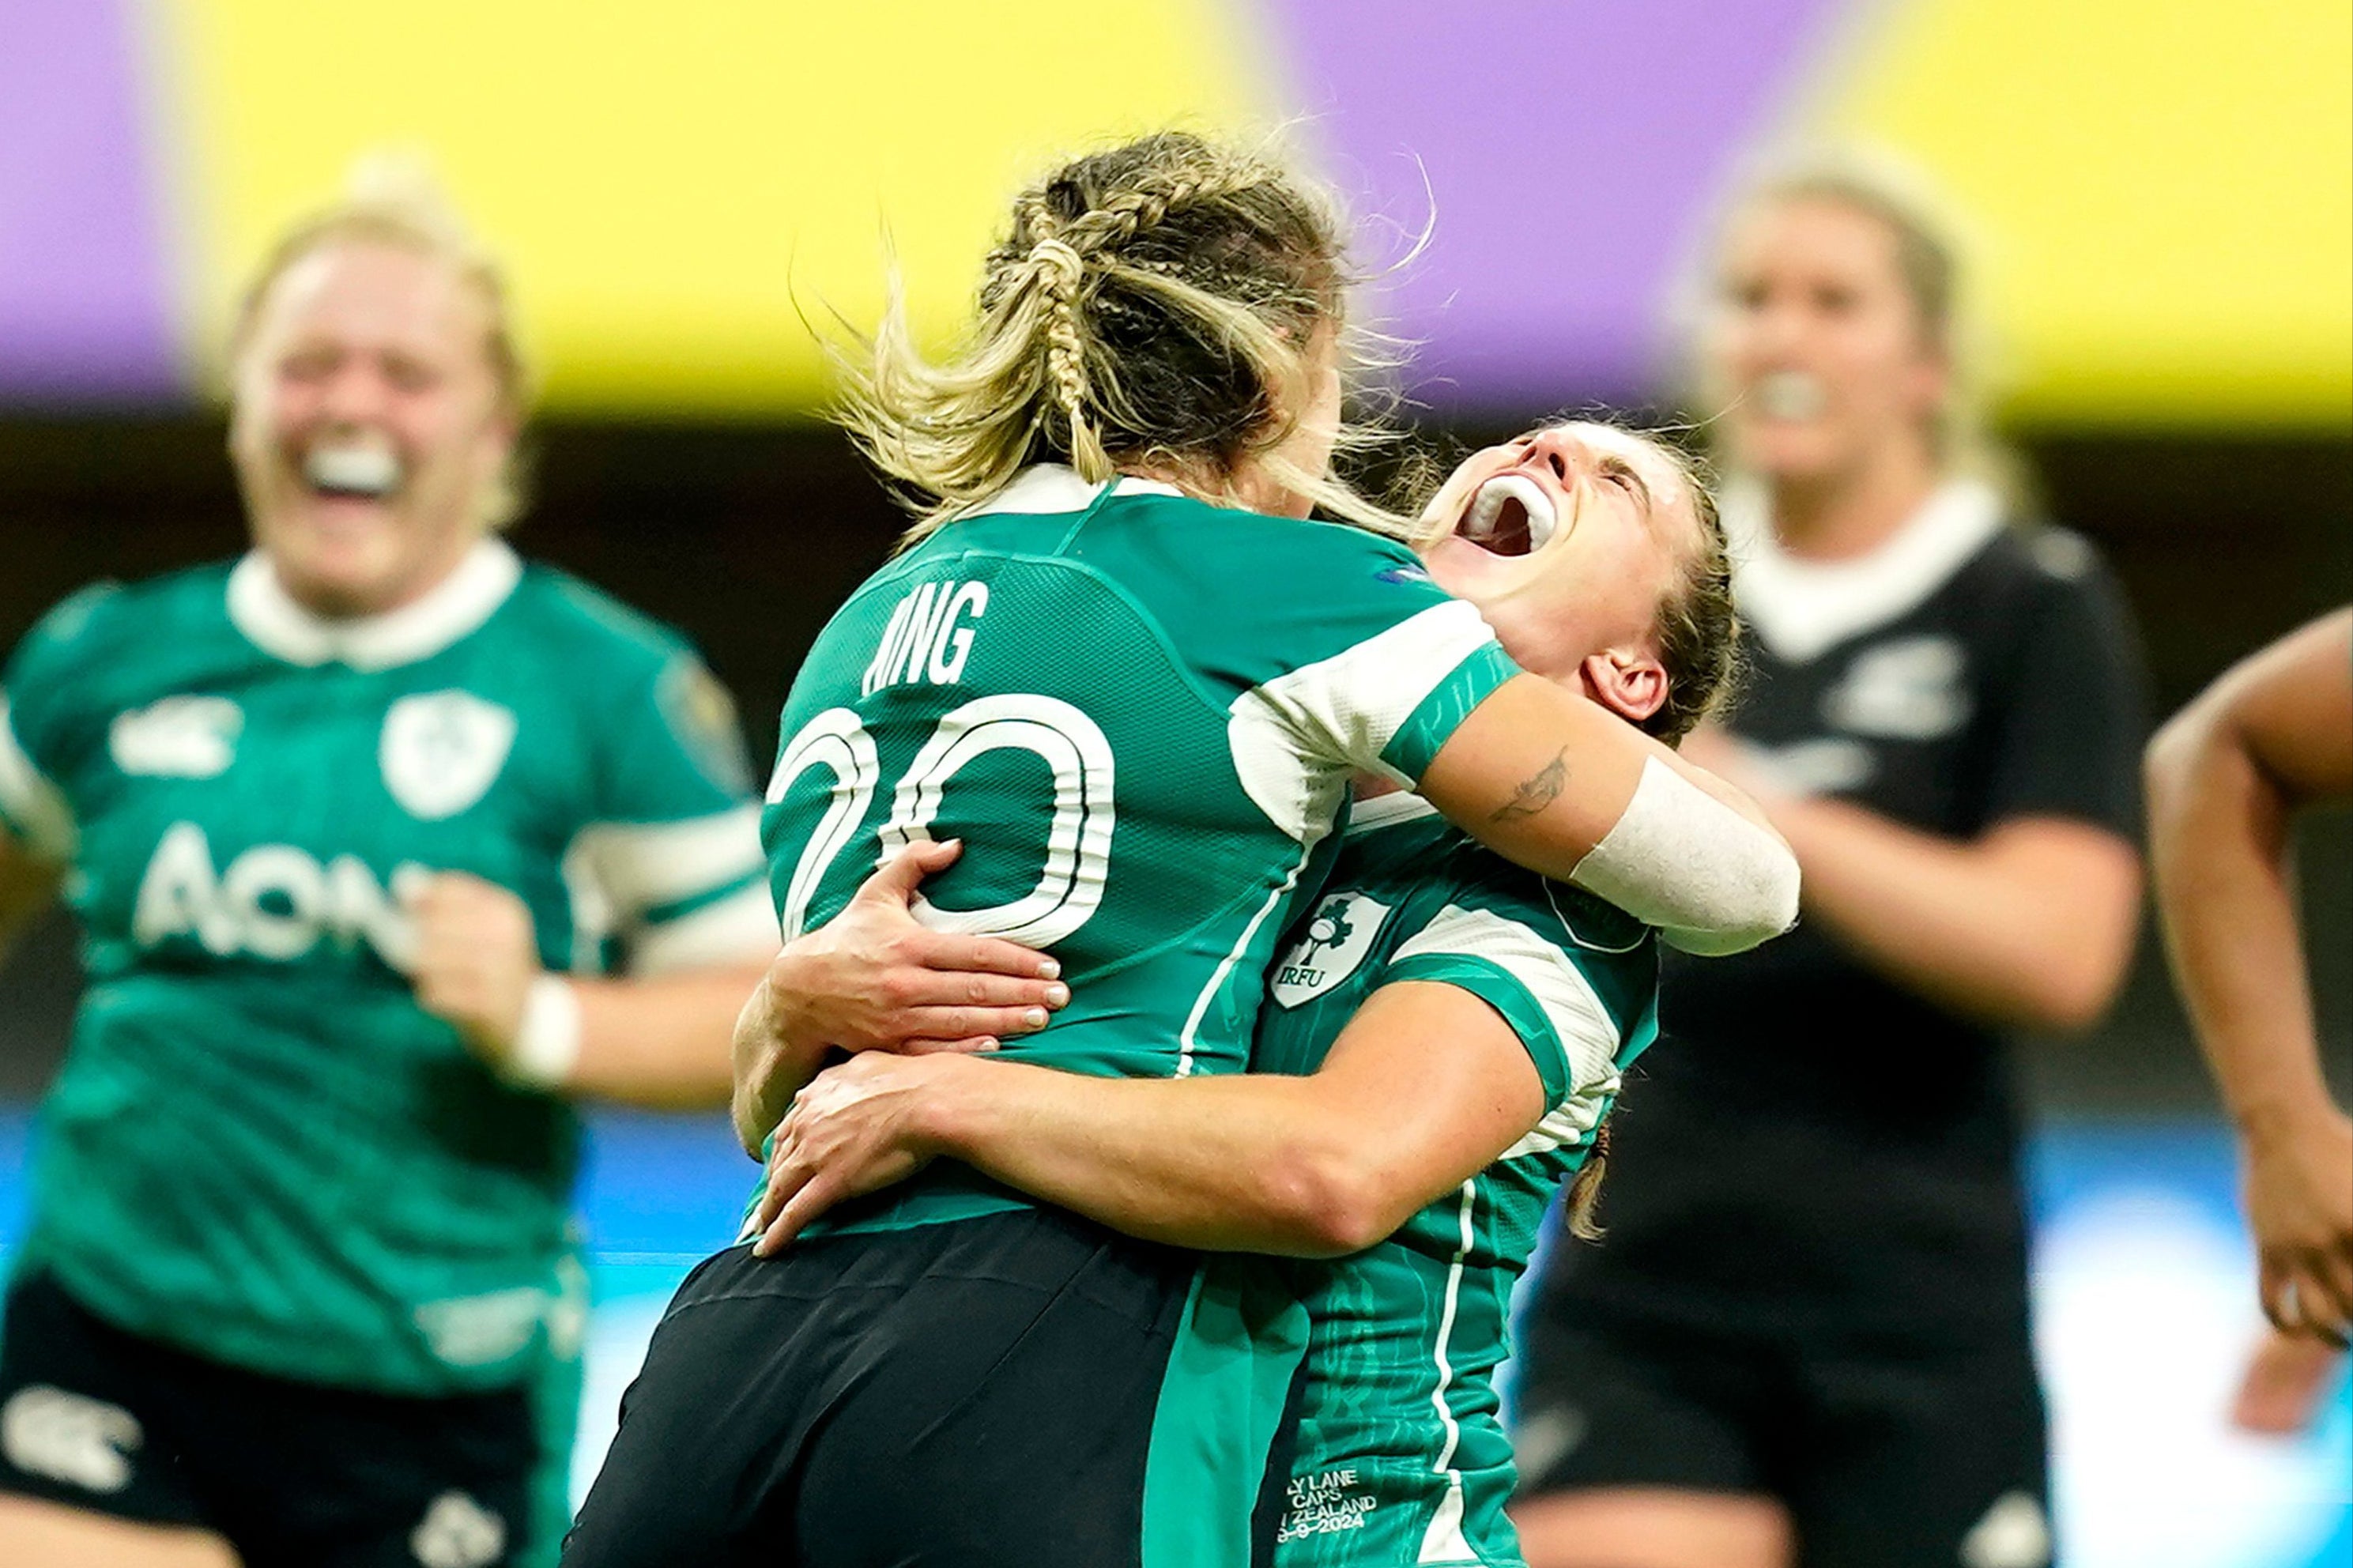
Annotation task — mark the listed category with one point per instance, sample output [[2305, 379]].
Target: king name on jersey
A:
[[272, 901], [929, 637]]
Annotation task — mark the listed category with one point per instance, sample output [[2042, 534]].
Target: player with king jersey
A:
[[1441, 1043], [356, 829], [1117, 664]]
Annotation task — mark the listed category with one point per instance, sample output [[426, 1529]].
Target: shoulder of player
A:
[[576, 622], [1159, 547], [109, 617], [2032, 562], [1224, 544], [1251, 598], [1514, 938], [2028, 579]]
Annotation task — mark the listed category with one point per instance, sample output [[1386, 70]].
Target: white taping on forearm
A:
[[547, 1047], [1681, 859]]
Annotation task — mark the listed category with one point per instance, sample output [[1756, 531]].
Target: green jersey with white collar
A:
[[1141, 713], [1401, 1458], [259, 1148]]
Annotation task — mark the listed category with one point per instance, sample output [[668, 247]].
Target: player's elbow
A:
[[2069, 997], [2172, 756], [1753, 908], [2058, 979], [2203, 757], [1680, 859], [1771, 905], [1325, 1202]]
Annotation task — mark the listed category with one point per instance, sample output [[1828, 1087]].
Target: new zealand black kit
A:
[[1813, 1283]]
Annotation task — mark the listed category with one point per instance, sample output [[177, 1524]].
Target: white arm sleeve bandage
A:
[[1709, 879], [547, 1047]]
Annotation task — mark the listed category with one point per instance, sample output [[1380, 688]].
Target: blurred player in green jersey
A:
[[1453, 1028], [386, 846], [1119, 665]]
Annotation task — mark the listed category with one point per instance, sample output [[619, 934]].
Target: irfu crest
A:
[[1337, 939]]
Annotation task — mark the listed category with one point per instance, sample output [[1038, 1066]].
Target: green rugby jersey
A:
[[1401, 1458], [259, 1148], [1141, 713]]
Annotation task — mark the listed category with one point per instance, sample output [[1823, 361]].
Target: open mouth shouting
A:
[[1509, 515]]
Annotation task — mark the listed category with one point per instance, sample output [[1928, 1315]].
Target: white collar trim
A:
[[259, 606], [1047, 488], [1387, 811], [1801, 609]]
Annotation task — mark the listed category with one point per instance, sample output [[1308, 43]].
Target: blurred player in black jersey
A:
[[1804, 1339]]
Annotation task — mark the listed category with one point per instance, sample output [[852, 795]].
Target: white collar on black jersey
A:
[[272, 620], [1046, 487], [1801, 609]]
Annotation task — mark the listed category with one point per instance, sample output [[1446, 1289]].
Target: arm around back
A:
[[1564, 787], [1308, 1167]]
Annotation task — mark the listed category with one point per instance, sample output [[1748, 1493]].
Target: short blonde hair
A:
[[393, 200], [1159, 303]]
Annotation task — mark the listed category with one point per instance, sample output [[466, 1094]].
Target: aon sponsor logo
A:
[[272, 901]]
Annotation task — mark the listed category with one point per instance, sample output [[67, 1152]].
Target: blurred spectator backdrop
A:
[[2162, 194]]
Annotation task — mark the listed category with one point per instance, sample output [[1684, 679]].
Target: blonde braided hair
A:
[[1156, 305], [1062, 271]]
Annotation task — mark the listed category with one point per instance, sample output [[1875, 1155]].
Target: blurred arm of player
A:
[[1308, 1167], [2225, 776], [661, 1040], [27, 886], [2030, 925], [1555, 782], [873, 979]]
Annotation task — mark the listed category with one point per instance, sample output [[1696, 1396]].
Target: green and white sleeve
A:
[[1384, 705], [1540, 992], [672, 868]]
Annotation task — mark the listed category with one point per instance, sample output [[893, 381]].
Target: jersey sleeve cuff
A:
[[1433, 723], [1495, 985], [735, 927]]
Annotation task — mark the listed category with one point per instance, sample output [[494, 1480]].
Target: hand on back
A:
[[875, 979]]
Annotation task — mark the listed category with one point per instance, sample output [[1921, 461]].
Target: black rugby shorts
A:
[[1889, 1448], [292, 1475], [984, 1392]]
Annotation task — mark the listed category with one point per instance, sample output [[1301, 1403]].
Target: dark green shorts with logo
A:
[[292, 1475]]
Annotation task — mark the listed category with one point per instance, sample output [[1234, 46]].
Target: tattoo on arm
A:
[[1537, 791]]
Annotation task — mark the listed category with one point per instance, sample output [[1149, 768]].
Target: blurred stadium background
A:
[[2162, 190]]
